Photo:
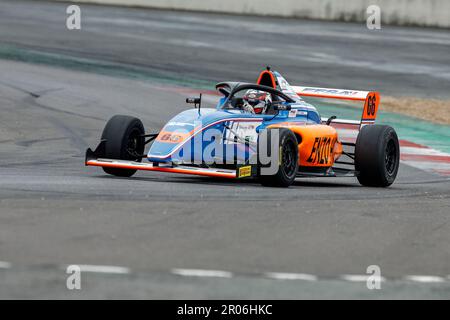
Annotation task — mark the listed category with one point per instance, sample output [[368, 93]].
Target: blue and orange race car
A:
[[262, 130]]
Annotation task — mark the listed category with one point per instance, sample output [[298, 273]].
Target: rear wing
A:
[[371, 101]]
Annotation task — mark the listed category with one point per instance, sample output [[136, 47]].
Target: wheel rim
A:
[[390, 158], [288, 159], [133, 144]]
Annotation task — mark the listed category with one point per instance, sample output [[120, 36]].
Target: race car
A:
[[263, 130]]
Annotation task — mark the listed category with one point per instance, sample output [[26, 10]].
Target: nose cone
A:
[[176, 134], [185, 136]]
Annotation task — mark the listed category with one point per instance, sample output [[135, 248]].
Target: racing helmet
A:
[[256, 101]]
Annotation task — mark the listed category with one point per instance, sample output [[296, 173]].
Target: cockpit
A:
[[252, 98]]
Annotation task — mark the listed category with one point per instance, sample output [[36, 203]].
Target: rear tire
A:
[[288, 164], [377, 155], [124, 141]]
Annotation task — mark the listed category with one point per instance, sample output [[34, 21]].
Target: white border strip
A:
[[424, 279], [290, 276], [358, 277], [268, 275], [202, 273], [103, 269]]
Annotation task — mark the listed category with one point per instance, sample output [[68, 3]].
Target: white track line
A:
[[424, 279], [227, 274], [202, 273], [358, 277], [103, 269], [290, 276]]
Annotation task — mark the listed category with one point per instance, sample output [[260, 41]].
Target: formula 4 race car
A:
[[263, 130]]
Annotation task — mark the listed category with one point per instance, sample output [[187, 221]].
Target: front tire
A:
[[124, 141], [287, 158], [377, 155]]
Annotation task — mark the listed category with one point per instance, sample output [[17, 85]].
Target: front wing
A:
[[122, 164], [96, 158]]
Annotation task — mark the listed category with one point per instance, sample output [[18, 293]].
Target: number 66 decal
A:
[[370, 107]]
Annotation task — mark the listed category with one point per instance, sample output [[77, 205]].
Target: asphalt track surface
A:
[[55, 212]]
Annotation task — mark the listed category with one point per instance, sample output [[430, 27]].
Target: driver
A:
[[256, 101]]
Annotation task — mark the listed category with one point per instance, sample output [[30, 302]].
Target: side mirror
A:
[[195, 101]]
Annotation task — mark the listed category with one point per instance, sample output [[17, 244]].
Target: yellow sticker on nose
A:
[[245, 172]]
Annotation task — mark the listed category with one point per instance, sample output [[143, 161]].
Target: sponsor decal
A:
[[171, 137], [242, 130], [245, 172], [292, 113], [321, 150], [181, 124], [331, 91]]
